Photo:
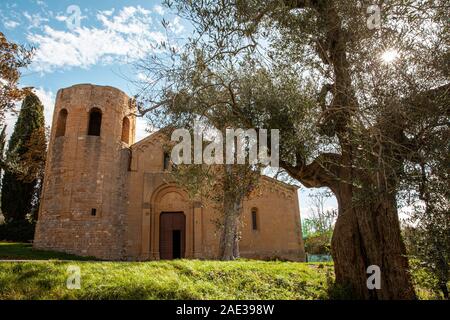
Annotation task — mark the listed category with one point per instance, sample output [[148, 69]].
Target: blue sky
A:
[[111, 36]]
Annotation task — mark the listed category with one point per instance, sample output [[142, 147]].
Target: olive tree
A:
[[354, 93]]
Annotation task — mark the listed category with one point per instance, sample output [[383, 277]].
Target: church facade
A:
[[107, 196]]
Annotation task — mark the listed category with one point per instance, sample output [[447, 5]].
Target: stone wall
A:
[[151, 193], [86, 173], [278, 232], [127, 186]]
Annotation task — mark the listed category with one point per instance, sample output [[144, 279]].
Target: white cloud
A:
[[159, 9], [306, 210], [176, 26], [10, 24], [128, 35], [10, 121], [141, 76], [130, 20], [141, 125], [61, 18], [48, 101], [35, 20], [108, 12], [47, 98], [309, 212]]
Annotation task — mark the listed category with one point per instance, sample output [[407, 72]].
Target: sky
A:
[[80, 41], [101, 49]]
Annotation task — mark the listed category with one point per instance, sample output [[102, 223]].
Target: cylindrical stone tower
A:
[[84, 196]]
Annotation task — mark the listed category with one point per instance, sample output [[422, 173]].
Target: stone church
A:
[[107, 196]]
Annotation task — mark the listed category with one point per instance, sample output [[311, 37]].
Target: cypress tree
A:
[[18, 193]]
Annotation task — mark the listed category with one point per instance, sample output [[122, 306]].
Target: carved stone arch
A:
[[95, 106], [169, 192], [167, 198]]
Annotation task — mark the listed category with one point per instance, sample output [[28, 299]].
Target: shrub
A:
[[19, 231], [318, 244]]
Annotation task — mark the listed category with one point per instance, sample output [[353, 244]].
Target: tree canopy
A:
[[25, 157], [13, 57], [361, 106]]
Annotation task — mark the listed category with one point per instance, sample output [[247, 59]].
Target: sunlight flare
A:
[[389, 56]]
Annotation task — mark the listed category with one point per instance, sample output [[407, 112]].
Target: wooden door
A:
[[172, 235]]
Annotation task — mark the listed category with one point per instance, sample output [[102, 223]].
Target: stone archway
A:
[[165, 199]]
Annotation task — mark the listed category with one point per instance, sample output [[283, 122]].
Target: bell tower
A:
[[84, 196]]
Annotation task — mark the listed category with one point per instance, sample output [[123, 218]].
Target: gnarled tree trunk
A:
[[367, 230], [229, 246], [232, 209], [370, 235]]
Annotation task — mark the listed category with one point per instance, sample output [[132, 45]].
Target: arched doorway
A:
[[172, 235], [168, 199]]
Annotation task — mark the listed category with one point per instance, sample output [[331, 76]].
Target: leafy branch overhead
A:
[[13, 57], [348, 119]]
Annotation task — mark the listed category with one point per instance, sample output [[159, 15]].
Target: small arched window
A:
[[254, 219], [61, 123], [126, 130], [95, 122]]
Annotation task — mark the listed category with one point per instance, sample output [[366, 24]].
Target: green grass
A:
[[182, 279], [24, 251], [177, 279]]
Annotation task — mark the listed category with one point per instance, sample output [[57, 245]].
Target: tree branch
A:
[[322, 172]]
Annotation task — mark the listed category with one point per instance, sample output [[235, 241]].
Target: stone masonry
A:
[[105, 195]]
